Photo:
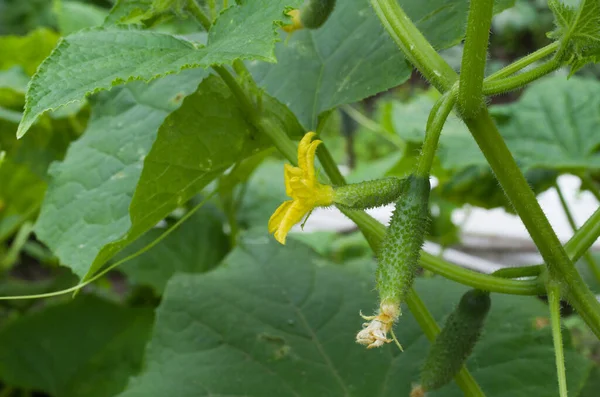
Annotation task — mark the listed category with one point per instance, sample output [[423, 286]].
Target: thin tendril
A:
[[118, 263]]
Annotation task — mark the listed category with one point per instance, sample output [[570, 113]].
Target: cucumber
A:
[[398, 259], [314, 13], [401, 248], [455, 342]]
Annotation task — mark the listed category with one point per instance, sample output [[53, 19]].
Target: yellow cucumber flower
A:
[[302, 186], [296, 22]]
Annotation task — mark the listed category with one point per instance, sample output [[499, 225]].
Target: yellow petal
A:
[[293, 215], [278, 215], [303, 150], [290, 172], [310, 160]]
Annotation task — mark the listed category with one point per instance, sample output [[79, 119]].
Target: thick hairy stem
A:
[[523, 199], [472, 70]]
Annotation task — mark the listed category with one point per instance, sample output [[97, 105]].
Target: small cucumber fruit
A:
[[455, 342], [401, 248], [315, 12]]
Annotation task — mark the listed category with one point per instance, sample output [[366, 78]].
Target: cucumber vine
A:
[[268, 123]]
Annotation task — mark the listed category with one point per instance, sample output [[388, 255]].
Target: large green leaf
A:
[[97, 59], [351, 56], [194, 145], [86, 206], [195, 247], [276, 320], [86, 347]]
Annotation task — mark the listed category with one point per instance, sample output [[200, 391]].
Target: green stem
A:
[[437, 118], [373, 126], [420, 52], [472, 71], [213, 9], [554, 305], [17, 245], [523, 200], [195, 9], [519, 271], [576, 247], [414, 45], [584, 237], [524, 62], [499, 86], [589, 259], [590, 184], [484, 282]]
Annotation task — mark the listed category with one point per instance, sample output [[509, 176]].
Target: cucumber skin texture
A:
[[400, 251], [369, 194], [456, 341], [315, 12]]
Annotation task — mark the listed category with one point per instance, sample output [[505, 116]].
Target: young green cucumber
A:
[[315, 12], [401, 248], [398, 259], [455, 342], [369, 194]]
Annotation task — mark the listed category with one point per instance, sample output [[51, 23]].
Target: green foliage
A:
[[81, 213], [97, 59], [28, 51], [351, 57], [48, 351], [196, 99], [578, 29], [276, 320]]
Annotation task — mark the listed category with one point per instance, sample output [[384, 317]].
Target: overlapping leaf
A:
[[87, 204], [87, 347], [89, 213], [351, 56], [93, 60], [276, 320]]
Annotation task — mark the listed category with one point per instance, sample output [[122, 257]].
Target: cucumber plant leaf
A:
[[86, 221], [578, 28], [85, 347], [351, 56], [84, 211], [97, 59], [275, 320]]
